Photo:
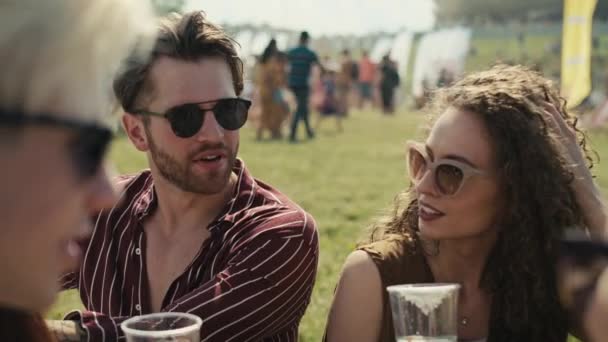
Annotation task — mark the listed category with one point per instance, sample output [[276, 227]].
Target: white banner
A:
[[381, 48], [439, 50], [400, 52], [282, 41], [259, 43], [244, 39]]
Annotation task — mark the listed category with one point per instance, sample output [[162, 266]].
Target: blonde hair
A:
[[60, 56]]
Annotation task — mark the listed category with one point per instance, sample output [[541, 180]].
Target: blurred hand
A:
[[595, 317], [66, 331], [586, 191]]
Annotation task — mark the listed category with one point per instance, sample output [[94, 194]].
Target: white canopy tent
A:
[[401, 51], [323, 17], [244, 39], [259, 43], [282, 41], [381, 48], [443, 49]]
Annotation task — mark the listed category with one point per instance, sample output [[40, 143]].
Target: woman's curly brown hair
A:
[[540, 204]]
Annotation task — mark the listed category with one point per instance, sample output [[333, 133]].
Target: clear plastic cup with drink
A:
[[163, 327], [425, 312]]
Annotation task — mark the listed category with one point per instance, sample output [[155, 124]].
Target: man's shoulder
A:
[[273, 222], [295, 49], [311, 54], [272, 211], [285, 219], [300, 51]]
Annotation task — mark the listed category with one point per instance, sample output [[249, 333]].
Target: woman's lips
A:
[[428, 213]]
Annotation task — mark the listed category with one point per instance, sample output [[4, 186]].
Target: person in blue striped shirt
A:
[[301, 60]]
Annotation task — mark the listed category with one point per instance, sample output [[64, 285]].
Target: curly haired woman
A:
[[503, 172]]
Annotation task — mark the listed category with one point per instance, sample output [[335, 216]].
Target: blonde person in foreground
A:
[[502, 173], [57, 59]]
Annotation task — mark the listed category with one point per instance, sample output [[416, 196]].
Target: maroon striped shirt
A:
[[251, 280]]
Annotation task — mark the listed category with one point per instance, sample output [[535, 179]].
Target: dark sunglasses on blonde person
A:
[[449, 175], [187, 119], [88, 146]]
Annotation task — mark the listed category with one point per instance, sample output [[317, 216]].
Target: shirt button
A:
[[137, 251], [138, 307]]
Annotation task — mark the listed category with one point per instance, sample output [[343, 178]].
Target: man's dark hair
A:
[[188, 37], [304, 37]]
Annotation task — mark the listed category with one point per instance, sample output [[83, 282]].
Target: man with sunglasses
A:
[[196, 233]]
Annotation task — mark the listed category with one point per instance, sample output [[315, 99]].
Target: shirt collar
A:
[[244, 189], [147, 200]]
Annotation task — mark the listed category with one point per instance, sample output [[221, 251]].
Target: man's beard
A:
[[180, 175]]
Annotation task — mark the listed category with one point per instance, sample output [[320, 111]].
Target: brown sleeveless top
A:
[[403, 262], [398, 262]]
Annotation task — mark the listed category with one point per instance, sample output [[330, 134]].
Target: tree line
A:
[[501, 11]]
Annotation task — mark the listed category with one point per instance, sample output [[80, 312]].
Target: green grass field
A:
[[343, 180]]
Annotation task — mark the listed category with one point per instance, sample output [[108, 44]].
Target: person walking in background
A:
[[316, 83], [271, 80], [446, 77], [367, 76], [329, 103], [271, 50], [301, 60], [389, 80], [344, 81], [56, 57]]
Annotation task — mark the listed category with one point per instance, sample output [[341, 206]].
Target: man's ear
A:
[[134, 127]]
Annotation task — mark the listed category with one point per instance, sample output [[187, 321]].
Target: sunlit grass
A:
[[343, 180]]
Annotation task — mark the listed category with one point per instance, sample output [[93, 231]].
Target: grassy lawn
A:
[[344, 180]]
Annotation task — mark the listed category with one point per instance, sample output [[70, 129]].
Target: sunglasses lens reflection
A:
[[231, 114], [186, 120], [417, 164], [449, 178]]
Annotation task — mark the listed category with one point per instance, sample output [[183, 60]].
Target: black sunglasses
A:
[[187, 119], [87, 149]]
